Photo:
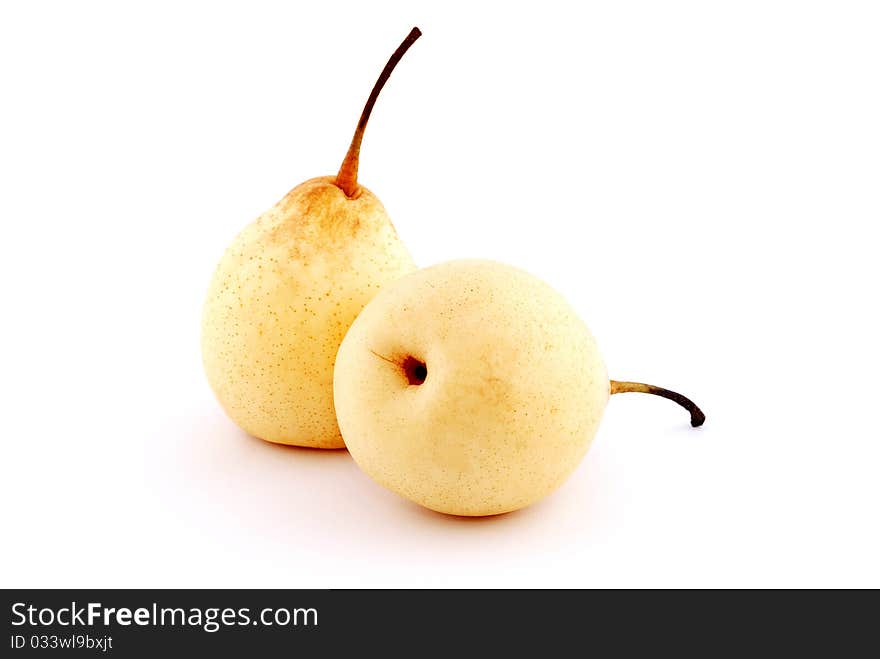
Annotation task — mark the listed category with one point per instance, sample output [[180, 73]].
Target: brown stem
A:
[[697, 416], [348, 171]]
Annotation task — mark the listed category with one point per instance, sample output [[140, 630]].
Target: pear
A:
[[473, 388], [286, 291]]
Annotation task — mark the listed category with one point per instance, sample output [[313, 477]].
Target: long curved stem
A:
[[348, 171], [697, 416]]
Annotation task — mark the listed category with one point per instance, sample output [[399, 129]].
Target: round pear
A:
[[287, 290], [472, 388]]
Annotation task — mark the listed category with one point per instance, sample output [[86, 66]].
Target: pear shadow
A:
[[410, 508], [234, 441], [371, 493], [290, 447], [211, 446], [449, 518], [320, 501]]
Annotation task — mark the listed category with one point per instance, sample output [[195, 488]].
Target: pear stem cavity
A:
[[697, 416], [346, 179]]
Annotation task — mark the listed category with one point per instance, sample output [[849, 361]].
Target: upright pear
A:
[[287, 290]]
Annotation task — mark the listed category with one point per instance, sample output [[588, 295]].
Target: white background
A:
[[702, 181]]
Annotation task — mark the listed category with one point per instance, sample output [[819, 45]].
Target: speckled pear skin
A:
[[513, 388], [280, 302]]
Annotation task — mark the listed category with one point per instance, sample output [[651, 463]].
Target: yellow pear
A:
[[285, 293], [472, 388]]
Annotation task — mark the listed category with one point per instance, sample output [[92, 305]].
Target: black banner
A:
[[133, 623]]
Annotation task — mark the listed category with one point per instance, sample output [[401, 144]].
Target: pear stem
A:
[[697, 416], [346, 179]]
